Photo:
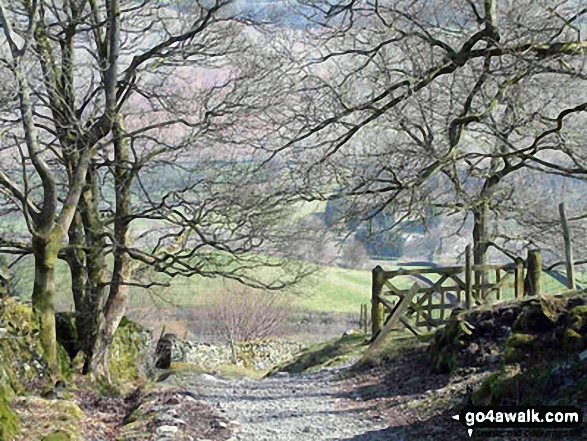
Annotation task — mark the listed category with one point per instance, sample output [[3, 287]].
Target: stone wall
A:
[[259, 355], [22, 365], [131, 351]]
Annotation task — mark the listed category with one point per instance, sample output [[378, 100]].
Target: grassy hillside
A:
[[337, 290], [332, 289]]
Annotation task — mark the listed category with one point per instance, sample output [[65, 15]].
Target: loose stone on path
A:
[[285, 407]]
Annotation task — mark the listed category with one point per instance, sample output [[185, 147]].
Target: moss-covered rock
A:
[[130, 351], [22, 364], [578, 319], [573, 341], [106, 388], [533, 318], [164, 350], [531, 331], [497, 388], [519, 347], [129, 356], [58, 435], [547, 330], [265, 354], [555, 383], [541, 355], [8, 419], [66, 367], [260, 355], [446, 344]]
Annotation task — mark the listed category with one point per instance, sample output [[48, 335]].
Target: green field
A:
[[331, 289]]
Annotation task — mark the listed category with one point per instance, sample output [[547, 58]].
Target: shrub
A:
[[247, 314]]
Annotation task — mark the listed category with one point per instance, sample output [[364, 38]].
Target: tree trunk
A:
[[76, 260], [87, 270], [87, 261], [45, 250], [95, 293], [109, 320], [481, 226], [480, 245], [95, 265], [116, 303]]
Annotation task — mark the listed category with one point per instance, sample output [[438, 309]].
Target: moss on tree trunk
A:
[[45, 251]]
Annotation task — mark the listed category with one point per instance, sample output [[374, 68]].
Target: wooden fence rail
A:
[[457, 286]]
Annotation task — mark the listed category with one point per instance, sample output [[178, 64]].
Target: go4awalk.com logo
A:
[[515, 418]]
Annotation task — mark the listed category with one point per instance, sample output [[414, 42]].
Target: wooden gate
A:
[[430, 306]]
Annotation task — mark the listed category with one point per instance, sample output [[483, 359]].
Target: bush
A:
[[247, 314]]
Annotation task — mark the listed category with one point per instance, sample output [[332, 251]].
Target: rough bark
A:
[[76, 260], [109, 320], [95, 266], [480, 243], [116, 303], [45, 250]]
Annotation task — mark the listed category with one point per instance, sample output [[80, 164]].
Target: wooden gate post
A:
[[533, 284], [498, 283], [519, 278], [376, 306], [364, 320]]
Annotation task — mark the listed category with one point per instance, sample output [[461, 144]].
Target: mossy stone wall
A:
[[22, 364], [8, 419], [130, 353]]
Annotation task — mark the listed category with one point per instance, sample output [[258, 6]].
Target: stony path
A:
[[286, 407]]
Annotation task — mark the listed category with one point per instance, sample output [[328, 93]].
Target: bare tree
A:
[[47, 220], [141, 112], [436, 104]]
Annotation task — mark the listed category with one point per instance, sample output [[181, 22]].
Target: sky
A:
[[285, 12]]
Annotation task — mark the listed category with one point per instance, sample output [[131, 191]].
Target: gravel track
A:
[[286, 407]]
